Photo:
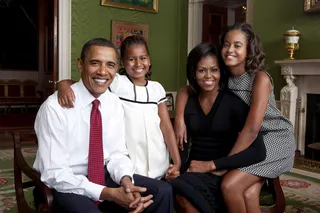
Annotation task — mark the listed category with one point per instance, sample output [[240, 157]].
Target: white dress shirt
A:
[[63, 139]]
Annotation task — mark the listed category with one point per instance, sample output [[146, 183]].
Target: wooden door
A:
[[240, 14], [213, 22], [48, 44]]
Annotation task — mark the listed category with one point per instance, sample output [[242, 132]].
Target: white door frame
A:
[[195, 9], [249, 13], [64, 39], [195, 21]]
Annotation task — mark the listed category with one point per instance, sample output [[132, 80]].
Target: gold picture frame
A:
[[311, 6], [150, 6], [122, 29]]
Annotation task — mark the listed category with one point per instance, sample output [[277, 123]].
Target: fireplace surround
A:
[[303, 79]]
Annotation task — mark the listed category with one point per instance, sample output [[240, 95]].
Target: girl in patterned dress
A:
[[149, 132], [242, 54]]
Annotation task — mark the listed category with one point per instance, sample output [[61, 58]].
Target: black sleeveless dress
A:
[[211, 137]]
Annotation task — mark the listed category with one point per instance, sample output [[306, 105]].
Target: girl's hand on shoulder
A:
[[66, 95], [172, 172], [180, 130]]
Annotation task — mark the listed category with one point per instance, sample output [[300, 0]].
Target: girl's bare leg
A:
[[251, 197], [234, 185]]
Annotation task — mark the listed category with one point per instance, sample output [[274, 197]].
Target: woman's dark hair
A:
[[127, 43], [255, 56], [196, 54]]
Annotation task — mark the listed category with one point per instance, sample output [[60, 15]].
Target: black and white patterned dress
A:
[[277, 130]]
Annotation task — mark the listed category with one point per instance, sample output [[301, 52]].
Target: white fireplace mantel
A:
[[302, 77], [300, 67]]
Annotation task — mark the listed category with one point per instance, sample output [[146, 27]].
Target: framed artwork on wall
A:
[[122, 29], [140, 5], [311, 6]]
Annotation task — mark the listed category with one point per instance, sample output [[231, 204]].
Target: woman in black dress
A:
[[214, 117]]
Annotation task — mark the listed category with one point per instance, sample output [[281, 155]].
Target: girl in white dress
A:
[[149, 132]]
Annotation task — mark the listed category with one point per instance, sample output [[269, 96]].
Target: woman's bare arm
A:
[[179, 124], [259, 102]]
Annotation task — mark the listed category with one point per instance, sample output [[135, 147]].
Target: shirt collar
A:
[[86, 98]]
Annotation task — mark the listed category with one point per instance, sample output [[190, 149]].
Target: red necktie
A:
[[96, 160]]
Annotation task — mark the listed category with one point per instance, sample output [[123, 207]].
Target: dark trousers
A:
[[73, 203]]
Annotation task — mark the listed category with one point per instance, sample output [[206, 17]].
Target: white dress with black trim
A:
[[145, 141]]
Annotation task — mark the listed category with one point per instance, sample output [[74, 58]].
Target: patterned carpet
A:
[[7, 193], [302, 193]]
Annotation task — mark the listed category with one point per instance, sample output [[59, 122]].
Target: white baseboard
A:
[[305, 173]]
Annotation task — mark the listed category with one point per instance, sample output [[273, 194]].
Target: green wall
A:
[[271, 19], [167, 35]]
